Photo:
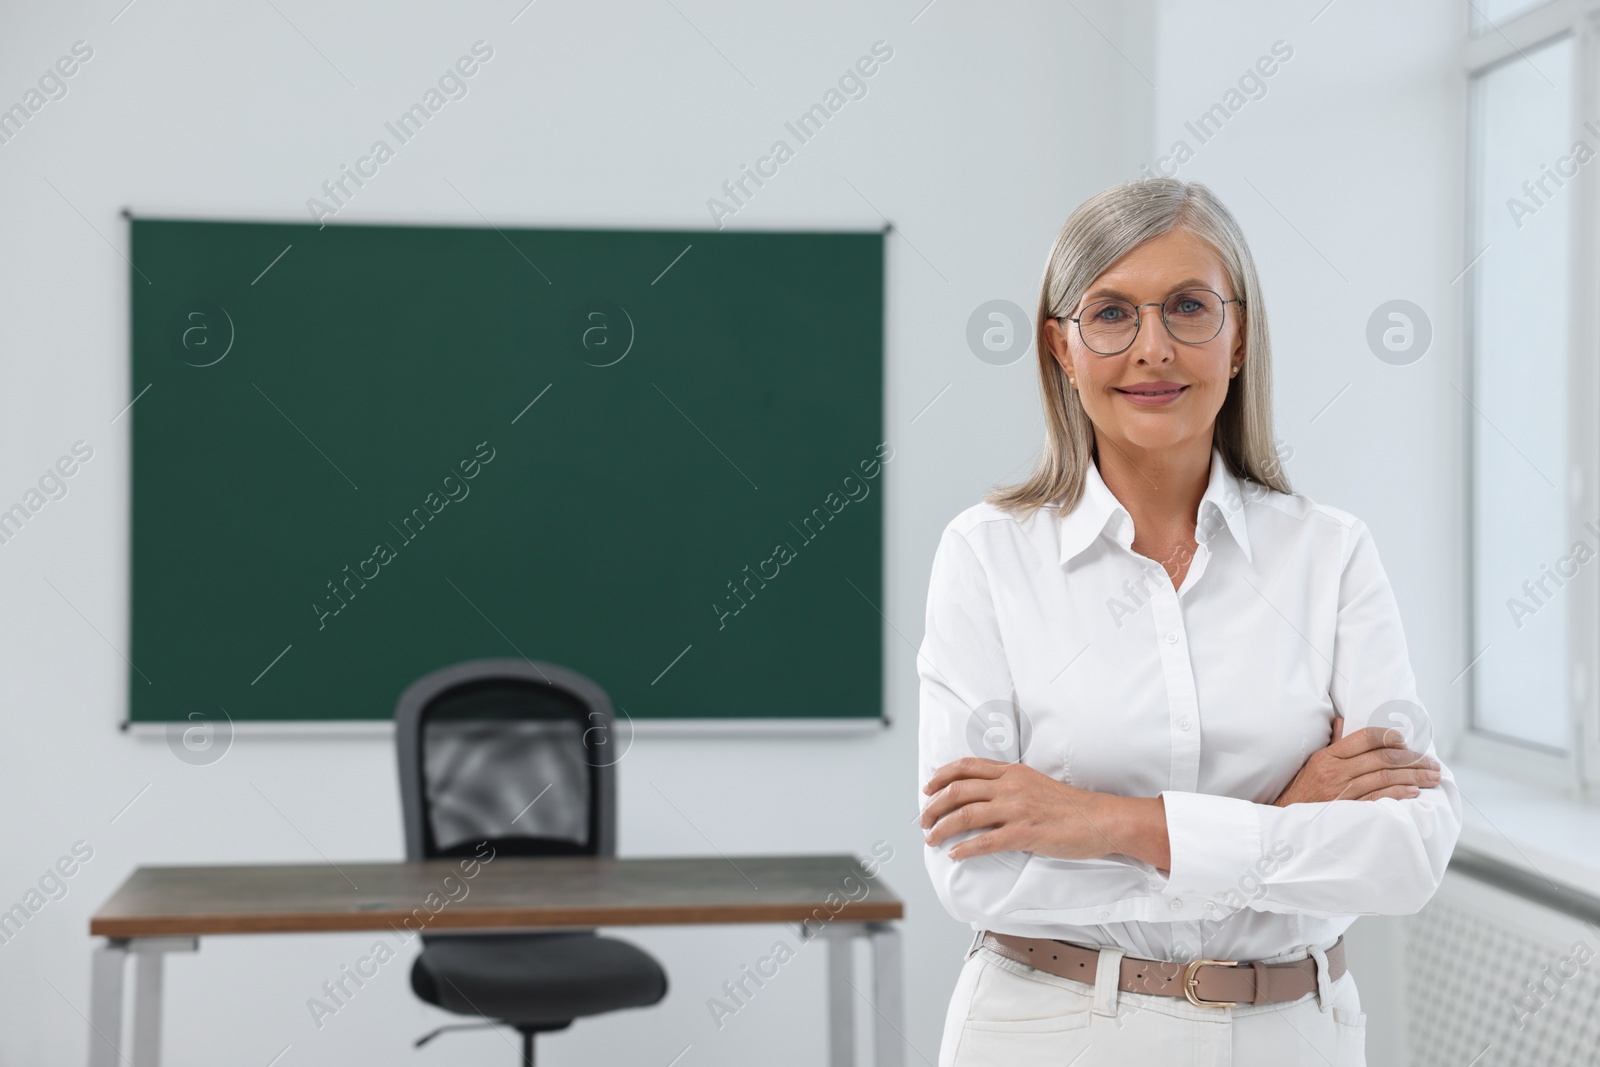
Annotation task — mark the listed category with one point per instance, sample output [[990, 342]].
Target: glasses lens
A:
[[1194, 315], [1108, 325]]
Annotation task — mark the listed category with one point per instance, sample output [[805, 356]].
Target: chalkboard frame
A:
[[828, 670]]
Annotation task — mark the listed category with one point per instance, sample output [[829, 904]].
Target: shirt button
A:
[[1211, 905], [1172, 637], [1176, 905], [1105, 915], [1183, 724]]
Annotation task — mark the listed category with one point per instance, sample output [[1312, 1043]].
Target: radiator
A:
[[1502, 969]]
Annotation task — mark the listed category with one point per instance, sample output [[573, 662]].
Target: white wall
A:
[[976, 139], [1347, 177]]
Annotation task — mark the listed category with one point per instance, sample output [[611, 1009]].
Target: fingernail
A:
[[1413, 791]]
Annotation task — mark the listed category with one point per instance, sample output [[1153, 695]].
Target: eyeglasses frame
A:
[[1138, 320]]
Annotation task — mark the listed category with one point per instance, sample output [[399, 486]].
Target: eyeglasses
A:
[[1193, 316]]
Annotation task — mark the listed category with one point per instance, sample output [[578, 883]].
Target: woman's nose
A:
[[1152, 342]]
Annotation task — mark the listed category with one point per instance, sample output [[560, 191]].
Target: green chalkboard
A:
[[364, 452]]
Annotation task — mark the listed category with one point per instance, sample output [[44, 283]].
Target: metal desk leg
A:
[[841, 999], [105, 999], [105, 1003], [147, 955], [888, 994], [146, 1009]]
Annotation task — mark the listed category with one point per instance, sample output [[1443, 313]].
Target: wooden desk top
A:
[[503, 892]]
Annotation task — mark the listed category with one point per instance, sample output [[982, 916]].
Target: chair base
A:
[[526, 1030]]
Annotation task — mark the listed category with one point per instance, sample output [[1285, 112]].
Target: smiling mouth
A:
[[1154, 392]]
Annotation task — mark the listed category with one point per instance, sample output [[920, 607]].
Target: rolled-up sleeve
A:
[[1341, 857], [964, 681]]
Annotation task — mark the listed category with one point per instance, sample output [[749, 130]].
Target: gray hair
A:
[[1099, 232]]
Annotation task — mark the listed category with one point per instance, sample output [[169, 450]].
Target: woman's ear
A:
[[1057, 340]]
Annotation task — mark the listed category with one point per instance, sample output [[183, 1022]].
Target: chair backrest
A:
[[509, 751]]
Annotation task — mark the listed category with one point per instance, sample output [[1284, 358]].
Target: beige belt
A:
[[1205, 982]]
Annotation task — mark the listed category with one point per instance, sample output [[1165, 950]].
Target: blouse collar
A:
[[1222, 505]]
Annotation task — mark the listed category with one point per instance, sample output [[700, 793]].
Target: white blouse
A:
[[1051, 640]]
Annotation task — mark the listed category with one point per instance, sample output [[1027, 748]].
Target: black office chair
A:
[[519, 755]]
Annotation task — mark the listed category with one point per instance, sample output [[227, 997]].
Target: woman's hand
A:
[[1369, 764], [1025, 810]]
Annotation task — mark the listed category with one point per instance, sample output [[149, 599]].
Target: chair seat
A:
[[535, 979]]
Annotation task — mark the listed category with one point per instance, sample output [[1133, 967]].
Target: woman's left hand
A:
[[1024, 810]]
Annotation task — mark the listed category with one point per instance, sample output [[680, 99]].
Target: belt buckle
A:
[[1190, 978]]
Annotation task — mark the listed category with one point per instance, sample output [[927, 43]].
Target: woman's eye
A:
[[1112, 314], [1188, 306]]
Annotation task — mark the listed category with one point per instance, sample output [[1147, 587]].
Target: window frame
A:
[[1575, 772]]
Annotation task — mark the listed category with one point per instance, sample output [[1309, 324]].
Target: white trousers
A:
[[1007, 1013]]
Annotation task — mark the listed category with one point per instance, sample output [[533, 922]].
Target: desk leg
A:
[[146, 1008], [148, 953], [105, 1003], [107, 973], [841, 1002], [888, 994]]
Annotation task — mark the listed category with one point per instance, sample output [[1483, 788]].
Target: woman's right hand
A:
[[1369, 764]]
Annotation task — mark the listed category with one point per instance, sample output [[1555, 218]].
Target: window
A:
[[1490, 14], [1533, 535], [1517, 330]]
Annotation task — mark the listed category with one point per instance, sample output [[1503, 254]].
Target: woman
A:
[[1167, 712]]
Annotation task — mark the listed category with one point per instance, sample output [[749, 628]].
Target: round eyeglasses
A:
[[1192, 316]]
